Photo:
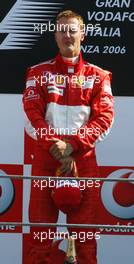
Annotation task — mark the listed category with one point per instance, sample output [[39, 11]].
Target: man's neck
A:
[[72, 60]]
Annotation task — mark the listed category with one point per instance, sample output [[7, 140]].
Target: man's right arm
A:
[[34, 101]]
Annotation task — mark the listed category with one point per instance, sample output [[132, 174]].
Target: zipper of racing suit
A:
[[69, 87], [67, 97]]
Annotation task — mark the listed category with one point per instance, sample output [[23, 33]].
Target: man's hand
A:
[[60, 149], [67, 166]]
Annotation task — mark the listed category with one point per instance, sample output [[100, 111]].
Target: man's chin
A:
[[68, 52]]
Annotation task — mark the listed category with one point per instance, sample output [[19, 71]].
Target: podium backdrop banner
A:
[[27, 38]]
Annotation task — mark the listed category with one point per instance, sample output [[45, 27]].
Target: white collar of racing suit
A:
[[72, 60]]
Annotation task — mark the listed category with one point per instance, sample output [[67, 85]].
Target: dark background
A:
[[13, 63]]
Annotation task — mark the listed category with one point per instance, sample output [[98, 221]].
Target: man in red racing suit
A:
[[68, 99]]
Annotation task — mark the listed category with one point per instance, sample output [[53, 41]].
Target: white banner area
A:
[[116, 150]]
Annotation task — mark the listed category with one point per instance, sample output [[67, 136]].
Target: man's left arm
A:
[[101, 117]]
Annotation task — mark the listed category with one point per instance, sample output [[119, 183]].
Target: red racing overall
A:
[[75, 102]]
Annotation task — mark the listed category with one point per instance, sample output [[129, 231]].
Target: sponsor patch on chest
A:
[[57, 80], [54, 89]]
